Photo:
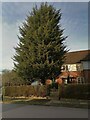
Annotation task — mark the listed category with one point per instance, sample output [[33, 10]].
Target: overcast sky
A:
[[74, 20]]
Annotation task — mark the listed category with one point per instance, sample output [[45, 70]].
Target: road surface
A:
[[32, 111]]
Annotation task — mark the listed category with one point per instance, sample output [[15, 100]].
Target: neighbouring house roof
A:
[[77, 56]]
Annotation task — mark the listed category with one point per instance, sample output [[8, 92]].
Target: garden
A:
[[71, 95]]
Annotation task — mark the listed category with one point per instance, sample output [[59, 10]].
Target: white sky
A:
[[44, 0]]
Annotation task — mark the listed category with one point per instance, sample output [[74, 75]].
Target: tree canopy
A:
[[9, 77], [41, 49]]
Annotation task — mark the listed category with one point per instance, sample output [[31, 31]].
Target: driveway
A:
[[34, 111]]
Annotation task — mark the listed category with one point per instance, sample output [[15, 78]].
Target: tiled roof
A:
[[71, 74], [77, 56]]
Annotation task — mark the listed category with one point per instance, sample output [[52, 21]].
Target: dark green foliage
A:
[[48, 90], [54, 85], [41, 50]]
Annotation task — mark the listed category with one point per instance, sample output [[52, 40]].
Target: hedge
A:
[[25, 90], [70, 91], [75, 91]]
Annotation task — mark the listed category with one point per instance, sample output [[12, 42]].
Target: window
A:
[[78, 67], [80, 80], [66, 67], [63, 68]]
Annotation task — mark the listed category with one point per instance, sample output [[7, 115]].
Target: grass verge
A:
[[49, 102]]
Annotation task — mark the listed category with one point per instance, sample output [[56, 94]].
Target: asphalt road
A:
[[0, 111], [32, 111]]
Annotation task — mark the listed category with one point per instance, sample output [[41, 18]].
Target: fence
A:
[[25, 90], [70, 91]]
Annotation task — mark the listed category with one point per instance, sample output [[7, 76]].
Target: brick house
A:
[[76, 67]]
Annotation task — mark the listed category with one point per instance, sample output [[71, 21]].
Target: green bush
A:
[[54, 85], [76, 91]]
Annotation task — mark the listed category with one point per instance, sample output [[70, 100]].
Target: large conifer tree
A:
[[41, 50]]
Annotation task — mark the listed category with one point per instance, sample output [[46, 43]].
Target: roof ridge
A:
[[77, 56], [79, 51]]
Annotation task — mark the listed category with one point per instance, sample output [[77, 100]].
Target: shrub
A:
[[54, 85], [25, 90], [76, 91]]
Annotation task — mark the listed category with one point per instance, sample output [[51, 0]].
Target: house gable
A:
[[76, 66]]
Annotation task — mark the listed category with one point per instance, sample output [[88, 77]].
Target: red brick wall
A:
[[85, 74]]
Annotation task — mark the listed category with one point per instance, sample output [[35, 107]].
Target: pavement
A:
[[35, 111]]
